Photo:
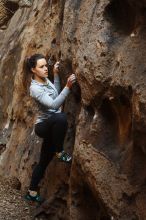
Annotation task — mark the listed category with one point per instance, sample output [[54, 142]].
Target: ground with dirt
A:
[[12, 204]]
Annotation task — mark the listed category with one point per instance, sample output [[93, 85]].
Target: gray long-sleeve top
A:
[[48, 96]]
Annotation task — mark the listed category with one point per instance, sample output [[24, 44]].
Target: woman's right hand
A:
[[71, 80]]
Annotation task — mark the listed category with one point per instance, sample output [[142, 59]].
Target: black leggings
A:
[[53, 131]]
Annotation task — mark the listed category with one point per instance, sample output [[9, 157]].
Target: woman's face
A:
[[41, 70]]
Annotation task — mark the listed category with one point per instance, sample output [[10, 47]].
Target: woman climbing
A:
[[51, 124]]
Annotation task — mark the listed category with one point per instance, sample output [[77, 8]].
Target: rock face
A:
[[104, 43]]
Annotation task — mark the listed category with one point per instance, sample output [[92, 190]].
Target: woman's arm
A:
[[45, 98], [56, 77], [57, 82]]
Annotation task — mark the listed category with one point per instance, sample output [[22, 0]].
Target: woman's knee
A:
[[40, 130]]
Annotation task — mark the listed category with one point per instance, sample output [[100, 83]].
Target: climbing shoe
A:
[[36, 198], [64, 157]]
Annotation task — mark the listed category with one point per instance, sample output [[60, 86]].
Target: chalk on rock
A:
[[25, 3]]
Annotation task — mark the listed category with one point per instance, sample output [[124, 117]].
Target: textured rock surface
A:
[[104, 43]]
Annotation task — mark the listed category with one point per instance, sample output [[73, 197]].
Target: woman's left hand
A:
[[56, 67]]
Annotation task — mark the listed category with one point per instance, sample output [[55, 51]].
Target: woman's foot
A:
[[63, 156], [33, 196]]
